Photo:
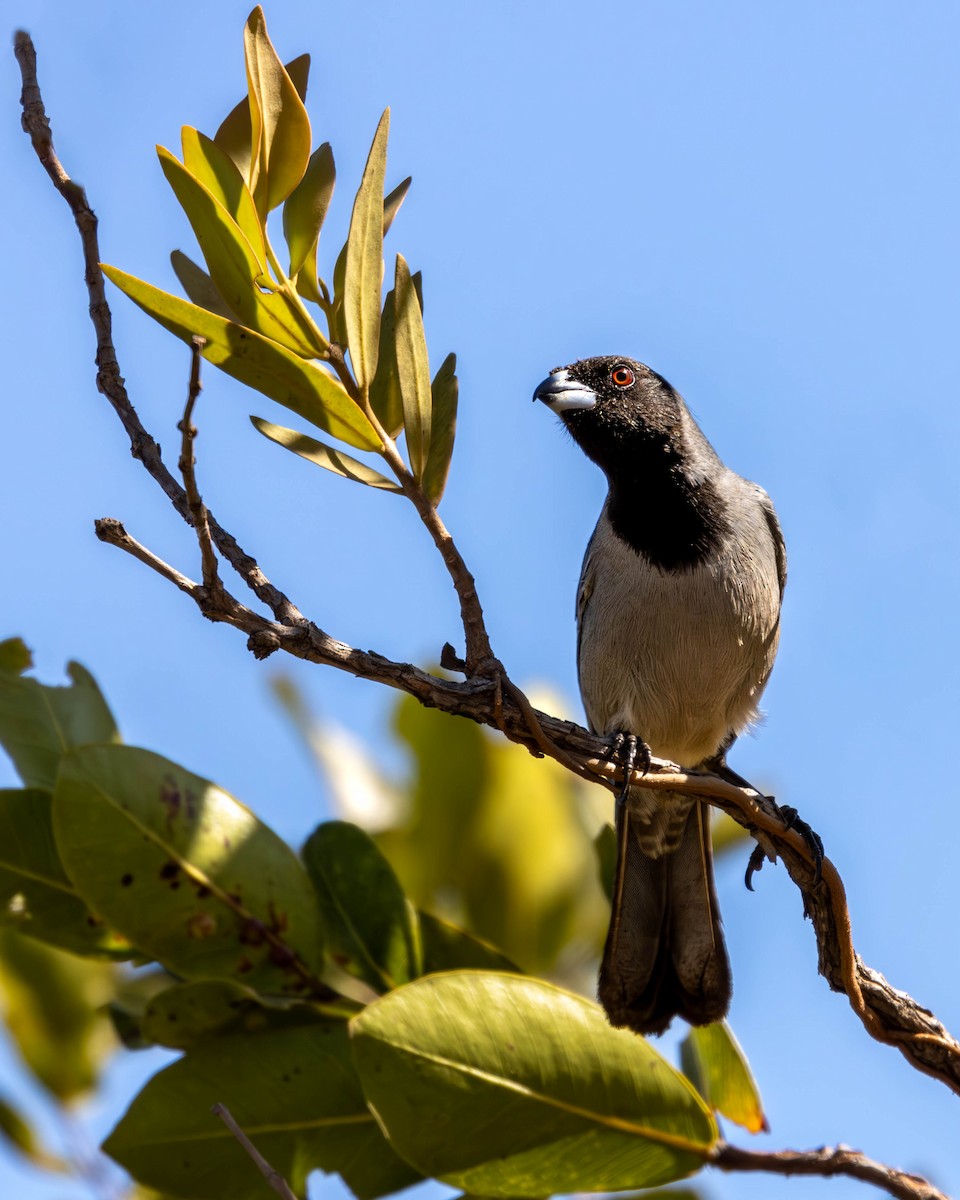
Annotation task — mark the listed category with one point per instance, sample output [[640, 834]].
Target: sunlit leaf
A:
[[363, 269], [716, 1065], [52, 1004], [184, 870], [385, 398], [443, 428], [294, 1092], [413, 370], [305, 211], [280, 127], [257, 361], [393, 201], [508, 1086], [324, 456], [198, 285], [234, 266], [370, 930], [36, 895], [234, 134], [218, 173], [39, 723]]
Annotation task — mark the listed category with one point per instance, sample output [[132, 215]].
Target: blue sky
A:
[[758, 200]]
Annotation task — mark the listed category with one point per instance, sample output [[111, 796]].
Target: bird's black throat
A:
[[675, 523]]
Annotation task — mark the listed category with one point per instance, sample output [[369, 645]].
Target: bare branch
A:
[[198, 511], [487, 696], [275, 1180], [827, 1161]]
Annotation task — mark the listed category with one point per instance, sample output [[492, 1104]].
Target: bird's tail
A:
[[665, 955]]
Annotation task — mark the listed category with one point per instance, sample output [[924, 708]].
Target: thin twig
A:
[[273, 1177], [827, 1161], [187, 464], [889, 1015]]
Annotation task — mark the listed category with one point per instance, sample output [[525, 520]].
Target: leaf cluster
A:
[[347, 1028], [277, 324]]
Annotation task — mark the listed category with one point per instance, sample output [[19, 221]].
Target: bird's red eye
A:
[[621, 376]]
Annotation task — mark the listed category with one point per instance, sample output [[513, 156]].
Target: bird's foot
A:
[[791, 820], [626, 752]]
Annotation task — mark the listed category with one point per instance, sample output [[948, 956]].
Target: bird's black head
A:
[[663, 500], [616, 409]]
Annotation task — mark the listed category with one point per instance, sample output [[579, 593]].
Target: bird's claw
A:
[[791, 820], [628, 751]]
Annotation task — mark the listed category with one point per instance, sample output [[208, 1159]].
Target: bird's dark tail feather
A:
[[665, 955]]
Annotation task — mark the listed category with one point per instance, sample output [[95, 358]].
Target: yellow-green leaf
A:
[[304, 212], [234, 266], [235, 131], [392, 202], [714, 1062], [385, 398], [280, 127], [218, 173], [443, 427], [257, 361], [413, 370], [508, 1086], [363, 271], [198, 285], [324, 456]]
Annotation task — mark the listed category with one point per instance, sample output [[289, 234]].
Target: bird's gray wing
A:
[[776, 533], [584, 592]]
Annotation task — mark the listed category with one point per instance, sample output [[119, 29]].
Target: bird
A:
[[678, 622]]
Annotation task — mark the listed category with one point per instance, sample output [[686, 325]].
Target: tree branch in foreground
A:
[[889, 1015]]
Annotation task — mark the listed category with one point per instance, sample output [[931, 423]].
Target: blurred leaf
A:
[[36, 895], [184, 870], [15, 656], [218, 173], [444, 391], [713, 1061], [371, 932], [392, 203], [234, 267], [363, 267], [508, 1086], [234, 134], [727, 834], [447, 947], [413, 370], [324, 456], [19, 1135], [304, 212], [198, 285], [51, 1003], [385, 398], [256, 361], [294, 1092], [38, 723], [280, 128]]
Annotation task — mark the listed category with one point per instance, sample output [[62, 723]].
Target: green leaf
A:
[[714, 1062], [363, 269], [198, 285], [280, 128], [218, 173], [305, 211], [385, 398], [324, 456], [52, 1005], [444, 392], [371, 931], [508, 1086], [256, 361], [294, 1092], [38, 724], [447, 947], [16, 1132], [234, 134], [393, 201], [413, 370], [36, 895], [184, 870], [15, 656], [234, 266]]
